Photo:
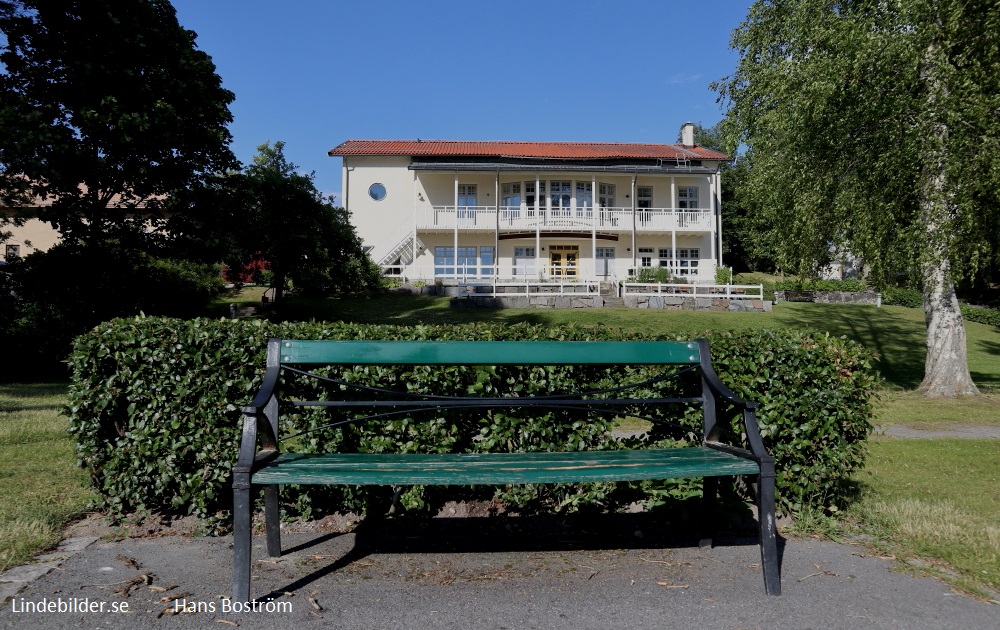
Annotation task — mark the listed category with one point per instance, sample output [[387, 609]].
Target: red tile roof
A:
[[549, 150]]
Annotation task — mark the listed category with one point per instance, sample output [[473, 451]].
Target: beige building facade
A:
[[442, 210]]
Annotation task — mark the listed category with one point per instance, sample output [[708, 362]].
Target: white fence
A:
[[518, 289], [740, 291]]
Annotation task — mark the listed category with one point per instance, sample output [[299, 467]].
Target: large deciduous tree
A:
[[106, 108], [271, 214], [873, 126]]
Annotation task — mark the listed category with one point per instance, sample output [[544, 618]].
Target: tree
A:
[[873, 126], [107, 108], [747, 240], [271, 214]]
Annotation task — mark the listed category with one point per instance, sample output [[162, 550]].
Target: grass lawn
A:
[[41, 487], [930, 499], [935, 501]]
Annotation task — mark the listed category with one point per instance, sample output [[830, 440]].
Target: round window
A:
[[377, 192]]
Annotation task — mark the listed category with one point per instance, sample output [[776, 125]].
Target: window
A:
[[645, 256], [530, 197], [487, 257], [466, 203], [687, 197], [444, 261], [644, 197], [12, 252], [472, 262], [377, 192], [561, 198], [510, 195], [687, 260], [606, 195], [584, 199]]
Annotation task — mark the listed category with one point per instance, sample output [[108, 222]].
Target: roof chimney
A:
[[687, 134]]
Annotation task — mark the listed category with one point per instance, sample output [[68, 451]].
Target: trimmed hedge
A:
[[989, 316], [851, 285], [154, 406]]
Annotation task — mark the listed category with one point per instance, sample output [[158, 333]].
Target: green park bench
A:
[[262, 464]]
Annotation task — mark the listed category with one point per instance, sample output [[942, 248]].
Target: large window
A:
[[687, 260], [561, 196], [687, 197], [473, 262]]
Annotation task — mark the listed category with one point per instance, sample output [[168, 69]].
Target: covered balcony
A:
[[491, 218]]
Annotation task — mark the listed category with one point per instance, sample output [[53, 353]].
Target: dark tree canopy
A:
[[107, 107], [271, 214]]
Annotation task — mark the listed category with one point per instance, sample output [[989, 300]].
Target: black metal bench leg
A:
[[768, 529], [710, 492], [272, 518], [242, 541]]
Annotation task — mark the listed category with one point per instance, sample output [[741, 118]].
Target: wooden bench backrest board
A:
[[304, 352]]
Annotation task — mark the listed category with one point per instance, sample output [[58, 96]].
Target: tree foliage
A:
[[747, 240], [873, 126], [271, 214], [107, 107]]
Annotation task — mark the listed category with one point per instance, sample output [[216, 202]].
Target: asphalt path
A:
[[470, 573]]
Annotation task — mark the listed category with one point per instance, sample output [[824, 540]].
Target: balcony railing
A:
[[526, 218]]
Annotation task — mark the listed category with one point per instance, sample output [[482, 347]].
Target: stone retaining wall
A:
[[532, 301], [680, 303], [830, 297]]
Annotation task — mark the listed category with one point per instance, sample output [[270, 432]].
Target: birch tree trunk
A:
[[946, 368]]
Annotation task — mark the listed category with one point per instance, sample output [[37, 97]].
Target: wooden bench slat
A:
[[502, 468], [489, 352]]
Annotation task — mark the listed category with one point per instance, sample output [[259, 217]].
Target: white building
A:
[[535, 210]]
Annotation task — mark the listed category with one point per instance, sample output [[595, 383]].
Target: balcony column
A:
[[673, 226], [454, 253], [538, 226], [496, 240], [414, 197], [593, 223], [712, 232]]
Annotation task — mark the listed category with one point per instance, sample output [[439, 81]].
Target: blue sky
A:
[[314, 73]]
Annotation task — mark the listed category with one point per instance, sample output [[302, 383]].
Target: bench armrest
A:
[[714, 390], [259, 418]]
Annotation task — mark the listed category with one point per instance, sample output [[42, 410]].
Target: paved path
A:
[[970, 431], [449, 577]]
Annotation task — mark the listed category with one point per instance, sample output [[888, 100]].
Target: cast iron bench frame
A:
[[261, 463]]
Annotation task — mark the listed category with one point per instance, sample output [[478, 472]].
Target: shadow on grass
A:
[[898, 340], [31, 396], [393, 308]]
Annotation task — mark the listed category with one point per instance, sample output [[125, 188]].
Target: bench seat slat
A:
[[502, 468]]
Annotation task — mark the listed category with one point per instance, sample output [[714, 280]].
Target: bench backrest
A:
[[310, 352]]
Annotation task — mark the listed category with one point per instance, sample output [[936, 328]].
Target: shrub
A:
[[897, 296], [989, 316], [847, 284], [154, 405]]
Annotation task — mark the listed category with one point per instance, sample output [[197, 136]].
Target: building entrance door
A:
[[563, 260], [605, 260]]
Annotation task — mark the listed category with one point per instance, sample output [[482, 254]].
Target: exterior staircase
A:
[[609, 291]]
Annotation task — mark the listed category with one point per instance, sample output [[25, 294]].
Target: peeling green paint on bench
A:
[[502, 468]]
